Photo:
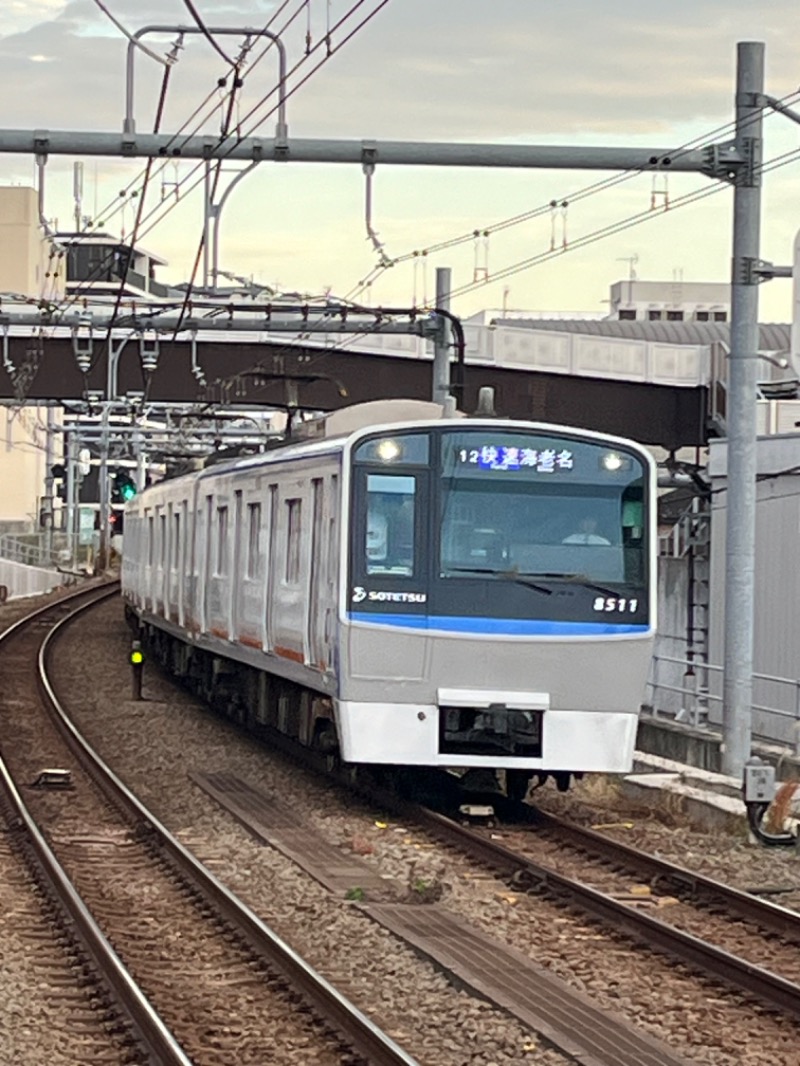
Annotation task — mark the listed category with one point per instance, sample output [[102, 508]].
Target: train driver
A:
[[586, 533]]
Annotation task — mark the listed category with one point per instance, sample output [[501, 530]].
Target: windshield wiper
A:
[[506, 575], [573, 579]]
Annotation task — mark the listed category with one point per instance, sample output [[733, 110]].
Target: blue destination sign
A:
[[502, 457]]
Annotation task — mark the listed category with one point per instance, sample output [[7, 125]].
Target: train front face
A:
[[498, 608]]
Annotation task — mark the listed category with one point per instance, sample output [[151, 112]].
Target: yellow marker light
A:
[[388, 450], [137, 658]]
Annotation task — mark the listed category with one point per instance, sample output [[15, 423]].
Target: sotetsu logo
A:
[[360, 594]]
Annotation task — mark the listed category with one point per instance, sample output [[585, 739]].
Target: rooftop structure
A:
[[670, 301]]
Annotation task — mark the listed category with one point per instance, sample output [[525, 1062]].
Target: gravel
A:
[[156, 743]]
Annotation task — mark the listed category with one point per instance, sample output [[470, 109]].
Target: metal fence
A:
[[673, 691], [29, 549]]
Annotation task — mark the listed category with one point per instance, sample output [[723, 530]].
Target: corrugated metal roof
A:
[[774, 337]]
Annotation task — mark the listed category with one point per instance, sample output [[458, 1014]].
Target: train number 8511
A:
[[615, 603]]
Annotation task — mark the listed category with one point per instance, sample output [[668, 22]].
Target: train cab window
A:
[[521, 505], [391, 519]]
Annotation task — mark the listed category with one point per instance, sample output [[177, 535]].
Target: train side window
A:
[[150, 540], [253, 568], [391, 521], [162, 538], [292, 572], [222, 541], [333, 559], [176, 539]]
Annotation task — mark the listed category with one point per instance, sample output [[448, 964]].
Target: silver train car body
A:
[[413, 589]]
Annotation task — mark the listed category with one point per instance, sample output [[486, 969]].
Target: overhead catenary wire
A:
[[584, 192], [329, 53], [695, 195], [617, 227], [126, 33], [117, 204], [234, 139], [514, 268], [190, 7], [261, 120], [137, 222]]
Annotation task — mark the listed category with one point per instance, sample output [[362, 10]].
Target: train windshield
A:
[[526, 504]]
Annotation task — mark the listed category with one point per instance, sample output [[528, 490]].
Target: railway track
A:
[[181, 970], [602, 1036], [703, 921]]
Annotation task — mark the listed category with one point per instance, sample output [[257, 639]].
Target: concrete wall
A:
[[556, 352], [22, 580]]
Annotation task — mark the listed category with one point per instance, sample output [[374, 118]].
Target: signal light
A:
[[124, 488], [137, 668]]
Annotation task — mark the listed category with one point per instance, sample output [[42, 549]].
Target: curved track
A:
[[143, 853]]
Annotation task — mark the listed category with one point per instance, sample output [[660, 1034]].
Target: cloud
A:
[[22, 15], [455, 70]]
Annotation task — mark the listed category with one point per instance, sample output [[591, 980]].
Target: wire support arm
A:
[[779, 106], [319, 150], [129, 123]]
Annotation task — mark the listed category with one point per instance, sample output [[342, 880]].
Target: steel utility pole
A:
[[441, 347], [741, 417]]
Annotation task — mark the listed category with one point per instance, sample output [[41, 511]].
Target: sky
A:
[[621, 74]]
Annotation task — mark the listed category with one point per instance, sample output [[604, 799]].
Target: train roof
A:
[[328, 433]]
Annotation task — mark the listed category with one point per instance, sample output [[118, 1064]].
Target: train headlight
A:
[[613, 462], [388, 450]]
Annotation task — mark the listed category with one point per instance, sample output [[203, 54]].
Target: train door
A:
[[316, 652], [235, 582]]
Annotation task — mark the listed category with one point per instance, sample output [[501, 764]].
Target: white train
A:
[[412, 589]]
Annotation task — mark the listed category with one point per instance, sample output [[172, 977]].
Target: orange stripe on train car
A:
[[221, 633], [251, 642], [289, 653]]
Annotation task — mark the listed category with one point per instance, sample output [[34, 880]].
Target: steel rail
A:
[[779, 920], [746, 976], [359, 1031], [153, 1035]]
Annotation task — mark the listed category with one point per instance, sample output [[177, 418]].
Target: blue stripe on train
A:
[[504, 626]]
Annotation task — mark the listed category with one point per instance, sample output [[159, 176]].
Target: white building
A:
[[30, 265], [670, 301]]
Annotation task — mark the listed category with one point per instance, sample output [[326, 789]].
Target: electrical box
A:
[[759, 783]]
